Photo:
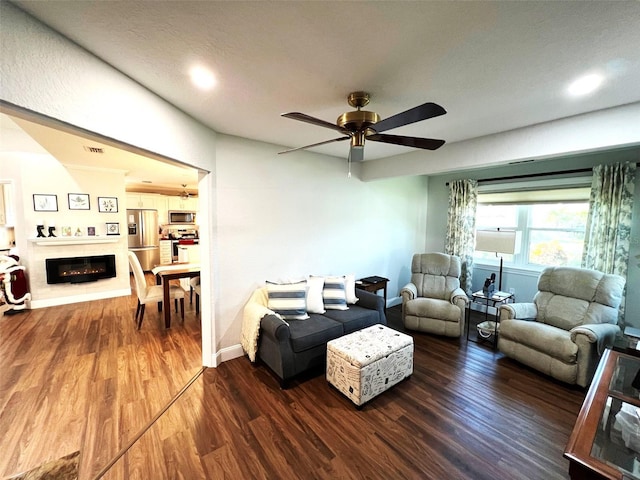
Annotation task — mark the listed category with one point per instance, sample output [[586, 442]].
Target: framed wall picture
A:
[[113, 228], [108, 204], [79, 201], [45, 202]]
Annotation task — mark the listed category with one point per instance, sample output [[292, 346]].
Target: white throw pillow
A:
[[333, 294], [315, 303], [288, 300], [350, 288]]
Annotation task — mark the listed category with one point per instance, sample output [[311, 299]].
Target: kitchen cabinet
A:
[[143, 200], [178, 203], [162, 203], [163, 215]]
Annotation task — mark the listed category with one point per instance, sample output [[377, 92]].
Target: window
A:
[[551, 231]]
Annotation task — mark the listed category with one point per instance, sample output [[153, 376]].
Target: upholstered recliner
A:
[[565, 330], [433, 301]]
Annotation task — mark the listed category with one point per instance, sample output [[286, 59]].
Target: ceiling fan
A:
[[360, 125]]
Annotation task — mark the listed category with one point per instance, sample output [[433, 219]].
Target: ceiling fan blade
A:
[[303, 117], [416, 142], [413, 115], [315, 145]]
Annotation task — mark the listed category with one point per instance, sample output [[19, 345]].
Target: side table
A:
[[373, 285], [625, 343], [495, 301]]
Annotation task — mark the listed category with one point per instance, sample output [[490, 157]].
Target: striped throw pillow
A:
[[333, 294], [289, 300]]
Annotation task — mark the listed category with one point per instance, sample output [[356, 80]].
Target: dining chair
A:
[[151, 293], [198, 291], [192, 284]]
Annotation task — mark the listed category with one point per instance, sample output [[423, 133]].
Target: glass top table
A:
[[617, 440], [605, 442]]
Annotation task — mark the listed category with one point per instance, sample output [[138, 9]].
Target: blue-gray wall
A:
[[524, 281]]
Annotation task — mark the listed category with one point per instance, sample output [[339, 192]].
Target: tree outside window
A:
[[552, 233]]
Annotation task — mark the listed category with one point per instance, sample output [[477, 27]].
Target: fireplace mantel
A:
[[51, 241]]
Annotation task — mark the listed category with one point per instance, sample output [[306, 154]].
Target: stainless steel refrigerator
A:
[[144, 239]]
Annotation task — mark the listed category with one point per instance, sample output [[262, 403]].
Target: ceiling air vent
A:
[[94, 149]]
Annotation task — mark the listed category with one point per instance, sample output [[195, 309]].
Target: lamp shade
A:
[[499, 241]]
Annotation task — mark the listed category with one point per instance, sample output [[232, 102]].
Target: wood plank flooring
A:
[[466, 413], [82, 378]]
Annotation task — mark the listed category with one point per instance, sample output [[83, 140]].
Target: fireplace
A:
[[80, 269]]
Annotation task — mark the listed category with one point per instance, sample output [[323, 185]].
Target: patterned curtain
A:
[[461, 227], [608, 230]]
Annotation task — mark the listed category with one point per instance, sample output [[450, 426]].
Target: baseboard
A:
[[87, 297], [228, 353], [394, 301]]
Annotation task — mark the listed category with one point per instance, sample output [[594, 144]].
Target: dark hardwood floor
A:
[[81, 378], [466, 413]]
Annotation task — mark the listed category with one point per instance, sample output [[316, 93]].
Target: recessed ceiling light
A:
[[202, 78], [585, 85]]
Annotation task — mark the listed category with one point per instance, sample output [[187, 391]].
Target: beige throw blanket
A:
[[254, 310]]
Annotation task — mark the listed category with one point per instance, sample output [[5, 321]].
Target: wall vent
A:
[[518, 162], [94, 149]]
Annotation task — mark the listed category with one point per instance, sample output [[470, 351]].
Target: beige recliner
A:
[[433, 301], [565, 330]]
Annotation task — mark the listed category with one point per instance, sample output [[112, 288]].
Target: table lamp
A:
[[498, 241]]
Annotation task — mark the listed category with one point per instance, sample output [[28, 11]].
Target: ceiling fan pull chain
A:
[[349, 164]]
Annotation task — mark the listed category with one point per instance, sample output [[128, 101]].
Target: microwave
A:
[[181, 217]]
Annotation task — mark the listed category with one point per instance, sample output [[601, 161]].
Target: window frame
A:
[[523, 214]]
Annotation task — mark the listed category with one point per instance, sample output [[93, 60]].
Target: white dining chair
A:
[[151, 293]]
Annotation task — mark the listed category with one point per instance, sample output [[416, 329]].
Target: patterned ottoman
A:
[[365, 363]]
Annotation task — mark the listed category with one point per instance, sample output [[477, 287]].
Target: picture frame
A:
[[79, 201], [113, 228], [65, 231], [108, 204], [91, 231], [45, 202]]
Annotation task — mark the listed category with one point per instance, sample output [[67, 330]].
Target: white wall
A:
[[43, 174], [287, 216]]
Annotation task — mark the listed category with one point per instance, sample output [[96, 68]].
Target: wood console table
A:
[[605, 443]]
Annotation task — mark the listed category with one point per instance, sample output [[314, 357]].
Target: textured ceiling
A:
[[494, 66]]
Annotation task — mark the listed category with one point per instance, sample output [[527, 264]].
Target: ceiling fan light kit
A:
[[360, 125]]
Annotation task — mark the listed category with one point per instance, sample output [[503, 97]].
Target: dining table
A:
[[164, 274]]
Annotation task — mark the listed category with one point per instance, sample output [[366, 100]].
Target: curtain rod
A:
[[533, 175]]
